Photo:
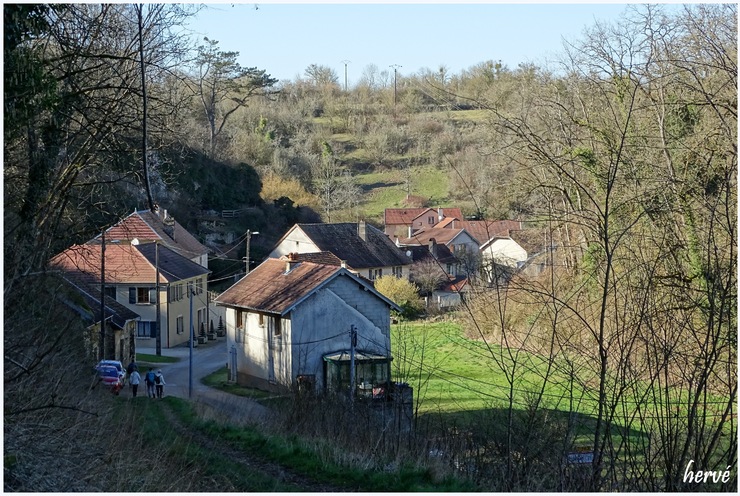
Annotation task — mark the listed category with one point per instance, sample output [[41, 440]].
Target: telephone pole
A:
[[352, 345], [345, 62], [395, 82], [101, 344]]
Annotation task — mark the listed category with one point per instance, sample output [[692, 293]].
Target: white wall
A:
[[504, 251], [295, 242]]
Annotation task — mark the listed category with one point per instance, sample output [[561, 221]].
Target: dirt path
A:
[[251, 464]]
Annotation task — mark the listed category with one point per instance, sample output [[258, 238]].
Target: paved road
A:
[[206, 359]]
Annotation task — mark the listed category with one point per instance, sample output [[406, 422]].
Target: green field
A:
[[461, 378], [387, 189]]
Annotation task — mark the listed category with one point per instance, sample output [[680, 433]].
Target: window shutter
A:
[[132, 295], [152, 295]]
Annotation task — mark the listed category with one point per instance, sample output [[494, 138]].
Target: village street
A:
[[207, 358]]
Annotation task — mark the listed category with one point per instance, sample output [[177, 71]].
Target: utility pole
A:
[[345, 62], [395, 82], [249, 238], [190, 370], [101, 344], [157, 335], [353, 344]]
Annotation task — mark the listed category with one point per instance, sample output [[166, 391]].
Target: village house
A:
[[455, 249], [403, 222], [147, 226], [293, 323], [363, 247], [130, 279], [83, 299]]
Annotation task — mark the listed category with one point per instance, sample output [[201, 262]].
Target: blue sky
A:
[[284, 39]]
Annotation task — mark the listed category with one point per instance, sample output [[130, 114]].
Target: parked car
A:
[[110, 377], [114, 363], [114, 381]]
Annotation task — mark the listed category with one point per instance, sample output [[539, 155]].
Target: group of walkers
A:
[[154, 381]]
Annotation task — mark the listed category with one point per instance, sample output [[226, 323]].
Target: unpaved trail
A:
[[283, 476]]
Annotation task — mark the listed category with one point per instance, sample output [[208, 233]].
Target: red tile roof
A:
[[483, 230], [147, 227], [270, 288], [124, 264], [321, 257], [406, 216], [132, 227], [442, 235], [402, 216]]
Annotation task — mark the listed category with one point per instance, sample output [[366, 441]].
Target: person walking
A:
[[135, 380], [149, 379], [159, 383], [130, 370]]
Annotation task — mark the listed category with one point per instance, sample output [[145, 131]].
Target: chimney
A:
[[440, 214], [362, 230], [433, 247], [156, 209], [410, 232], [169, 225], [291, 261]]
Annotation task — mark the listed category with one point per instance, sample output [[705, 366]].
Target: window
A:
[[110, 292], [146, 329], [190, 289], [430, 219], [278, 326], [261, 319], [375, 273], [199, 286], [239, 319], [180, 324], [201, 321], [397, 271], [142, 296]]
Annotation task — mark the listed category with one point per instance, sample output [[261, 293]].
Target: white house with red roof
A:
[[290, 323]]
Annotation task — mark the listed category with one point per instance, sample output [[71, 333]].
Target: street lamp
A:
[[249, 238]]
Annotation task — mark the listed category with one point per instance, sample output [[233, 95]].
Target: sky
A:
[[285, 38]]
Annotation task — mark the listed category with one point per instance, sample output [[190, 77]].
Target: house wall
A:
[[322, 325], [262, 356], [295, 242], [504, 251], [169, 311], [463, 239]]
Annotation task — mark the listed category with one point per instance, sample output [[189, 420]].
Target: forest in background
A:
[[625, 154]]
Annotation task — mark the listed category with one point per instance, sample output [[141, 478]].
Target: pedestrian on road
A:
[[135, 380], [159, 382], [130, 370], [149, 379]]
